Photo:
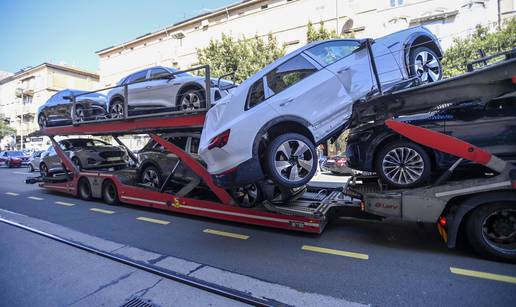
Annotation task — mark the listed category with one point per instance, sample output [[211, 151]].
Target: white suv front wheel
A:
[[291, 160]]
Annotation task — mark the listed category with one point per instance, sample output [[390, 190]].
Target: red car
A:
[[12, 158]]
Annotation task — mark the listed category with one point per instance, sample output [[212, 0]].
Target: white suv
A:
[[270, 124]]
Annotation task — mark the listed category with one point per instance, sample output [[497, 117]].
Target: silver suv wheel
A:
[[190, 101], [427, 66]]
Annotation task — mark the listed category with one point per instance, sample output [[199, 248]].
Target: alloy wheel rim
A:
[[403, 165], [499, 230], [151, 178], [190, 101], [293, 160], [116, 110], [42, 121], [79, 114], [247, 194], [427, 67]]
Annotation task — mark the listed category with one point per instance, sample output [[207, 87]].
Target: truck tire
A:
[[110, 193], [291, 160], [491, 231], [84, 189], [403, 164]]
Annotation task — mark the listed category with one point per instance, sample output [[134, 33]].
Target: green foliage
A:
[[242, 56], [465, 50], [5, 129], [321, 34]]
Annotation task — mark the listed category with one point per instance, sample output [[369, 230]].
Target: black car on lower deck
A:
[[402, 163]]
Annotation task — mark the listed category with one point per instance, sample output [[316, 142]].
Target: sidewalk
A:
[[37, 271]]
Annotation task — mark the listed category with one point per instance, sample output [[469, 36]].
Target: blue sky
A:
[[33, 32]]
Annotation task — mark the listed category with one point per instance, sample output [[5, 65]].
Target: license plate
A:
[[113, 158], [331, 161]]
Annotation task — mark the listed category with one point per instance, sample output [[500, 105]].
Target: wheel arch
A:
[[389, 138], [145, 163], [420, 39], [116, 97], [192, 85], [276, 126], [458, 210]]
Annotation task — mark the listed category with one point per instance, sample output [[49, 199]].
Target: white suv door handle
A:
[[343, 70], [286, 102], [148, 86]]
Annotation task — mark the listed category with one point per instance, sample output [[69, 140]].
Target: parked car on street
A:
[[35, 160], [402, 163], [163, 87], [337, 165], [13, 158], [85, 154], [57, 111], [270, 124]]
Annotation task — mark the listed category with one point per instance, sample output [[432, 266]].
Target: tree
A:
[[5, 129], [465, 50], [242, 56], [315, 35]]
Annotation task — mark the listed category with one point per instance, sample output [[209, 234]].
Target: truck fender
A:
[[468, 205]]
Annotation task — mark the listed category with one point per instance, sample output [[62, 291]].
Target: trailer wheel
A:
[[84, 189], [491, 231], [110, 193]]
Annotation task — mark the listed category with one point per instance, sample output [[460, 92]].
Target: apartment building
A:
[[23, 92], [287, 20]]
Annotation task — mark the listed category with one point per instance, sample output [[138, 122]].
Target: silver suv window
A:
[[137, 77], [330, 52]]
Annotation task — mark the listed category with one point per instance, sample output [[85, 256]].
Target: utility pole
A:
[[21, 123], [499, 15]]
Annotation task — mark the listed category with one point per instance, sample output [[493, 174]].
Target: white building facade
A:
[[287, 20], [22, 93]]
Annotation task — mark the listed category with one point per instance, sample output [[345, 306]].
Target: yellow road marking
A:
[[12, 193], [62, 203], [155, 221], [478, 274], [35, 198], [334, 252], [102, 211], [226, 234]]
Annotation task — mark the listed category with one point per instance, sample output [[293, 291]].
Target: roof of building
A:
[[71, 69], [182, 23]]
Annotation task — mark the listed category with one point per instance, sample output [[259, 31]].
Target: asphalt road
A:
[[379, 263]]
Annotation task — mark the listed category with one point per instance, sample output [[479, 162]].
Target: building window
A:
[[395, 3], [27, 99]]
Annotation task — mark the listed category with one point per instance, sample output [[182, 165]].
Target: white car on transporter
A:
[[269, 125]]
